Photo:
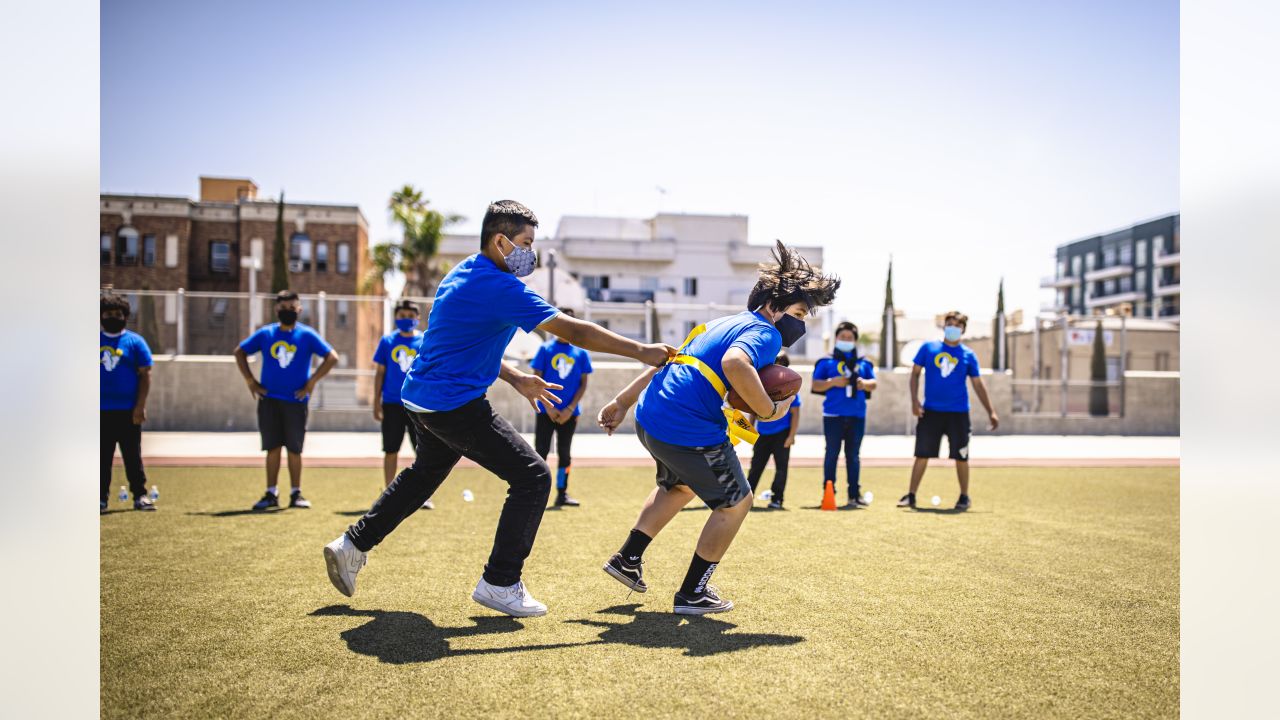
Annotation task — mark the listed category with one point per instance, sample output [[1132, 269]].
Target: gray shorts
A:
[[712, 472]]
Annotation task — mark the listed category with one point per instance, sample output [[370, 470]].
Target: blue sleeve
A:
[[253, 343], [868, 370], [539, 361], [922, 357], [759, 344], [822, 371], [523, 307], [797, 402], [585, 359], [144, 352], [974, 371], [382, 354]]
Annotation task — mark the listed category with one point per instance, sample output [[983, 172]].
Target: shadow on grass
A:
[[238, 513], [697, 635], [351, 513], [942, 511], [839, 508], [399, 637]]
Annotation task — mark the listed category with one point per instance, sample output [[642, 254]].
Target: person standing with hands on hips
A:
[[570, 367], [393, 358], [946, 365], [847, 381], [285, 388]]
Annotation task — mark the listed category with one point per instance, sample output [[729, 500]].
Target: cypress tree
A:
[[888, 329], [1098, 405], [999, 343], [279, 264]]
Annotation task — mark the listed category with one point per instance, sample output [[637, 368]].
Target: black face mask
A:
[[791, 327], [287, 317], [112, 324]]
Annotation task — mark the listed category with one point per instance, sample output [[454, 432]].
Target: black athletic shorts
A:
[[395, 423], [933, 425], [282, 423], [713, 473]]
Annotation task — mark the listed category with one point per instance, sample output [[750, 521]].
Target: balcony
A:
[[1060, 283], [1166, 259], [619, 295], [1167, 290], [1054, 309], [1113, 299], [741, 253], [656, 250], [1107, 273]]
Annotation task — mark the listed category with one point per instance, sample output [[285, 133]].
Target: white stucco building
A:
[[691, 267]]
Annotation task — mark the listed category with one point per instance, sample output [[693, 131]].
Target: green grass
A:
[[1057, 596]]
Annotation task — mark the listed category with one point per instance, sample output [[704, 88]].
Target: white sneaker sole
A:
[[506, 610], [335, 574], [684, 610], [616, 575]]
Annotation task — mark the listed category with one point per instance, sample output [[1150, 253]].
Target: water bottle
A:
[[467, 496], [124, 494], [767, 495], [155, 493]]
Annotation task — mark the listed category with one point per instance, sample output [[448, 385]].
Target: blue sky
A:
[[965, 139]]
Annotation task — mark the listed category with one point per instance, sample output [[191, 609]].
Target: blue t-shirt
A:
[[119, 358], [945, 369], [562, 364], [397, 353], [839, 402], [680, 406], [477, 310], [286, 358], [773, 427]]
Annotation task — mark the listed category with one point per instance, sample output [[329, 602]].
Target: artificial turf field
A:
[[1056, 596]]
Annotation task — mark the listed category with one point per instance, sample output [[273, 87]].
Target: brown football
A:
[[780, 382]]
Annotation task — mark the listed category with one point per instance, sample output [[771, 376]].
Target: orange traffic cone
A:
[[829, 495]]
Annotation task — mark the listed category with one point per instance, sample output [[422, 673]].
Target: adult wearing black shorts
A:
[[947, 365]]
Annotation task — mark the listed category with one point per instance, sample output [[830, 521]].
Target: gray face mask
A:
[[521, 260]]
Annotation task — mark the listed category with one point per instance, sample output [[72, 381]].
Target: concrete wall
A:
[[206, 393]]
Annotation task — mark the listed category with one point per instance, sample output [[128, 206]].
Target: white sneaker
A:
[[344, 560], [513, 600]]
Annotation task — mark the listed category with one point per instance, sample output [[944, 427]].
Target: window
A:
[[1062, 269], [689, 325], [597, 282], [1109, 287], [691, 286], [104, 248], [322, 257], [1158, 244], [344, 313], [1140, 280], [1126, 284], [1126, 254], [127, 246], [148, 250], [300, 253], [1109, 256], [220, 257], [344, 259], [217, 311], [1088, 262], [1075, 266], [1162, 362], [648, 282], [1142, 253]]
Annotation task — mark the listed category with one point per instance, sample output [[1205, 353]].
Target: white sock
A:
[[272, 489]]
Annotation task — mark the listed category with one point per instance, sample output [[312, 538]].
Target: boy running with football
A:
[[681, 421]]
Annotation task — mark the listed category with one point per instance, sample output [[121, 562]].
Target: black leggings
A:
[[116, 428], [476, 432], [768, 446], [564, 438]]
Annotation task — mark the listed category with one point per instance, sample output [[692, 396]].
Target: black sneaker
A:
[[861, 503], [963, 503], [776, 505], [630, 575], [269, 500], [908, 500], [297, 501], [102, 507], [563, 500], [708, 601]]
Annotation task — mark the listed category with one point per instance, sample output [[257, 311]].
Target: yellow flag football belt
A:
[[740, 428]]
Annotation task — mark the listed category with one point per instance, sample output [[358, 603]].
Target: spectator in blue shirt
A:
[[477, 309], [681, 421], [282, 394], [946, 365], [847, 381], [124, 380], [561, 362], [392, 359], [775, 441]]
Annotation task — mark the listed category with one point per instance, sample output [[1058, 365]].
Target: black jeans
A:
[[768, 446], [476, 432], [542, 431], [116, 428]]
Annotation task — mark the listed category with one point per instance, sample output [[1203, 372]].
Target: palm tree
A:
[[415, 254]]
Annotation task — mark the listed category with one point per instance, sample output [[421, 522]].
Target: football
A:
[[780, 382]]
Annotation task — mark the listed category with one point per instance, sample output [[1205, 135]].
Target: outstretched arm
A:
[[532, 387], [612, 415], [593, 337]]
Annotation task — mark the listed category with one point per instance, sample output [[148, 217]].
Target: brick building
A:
[[164, 242]]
